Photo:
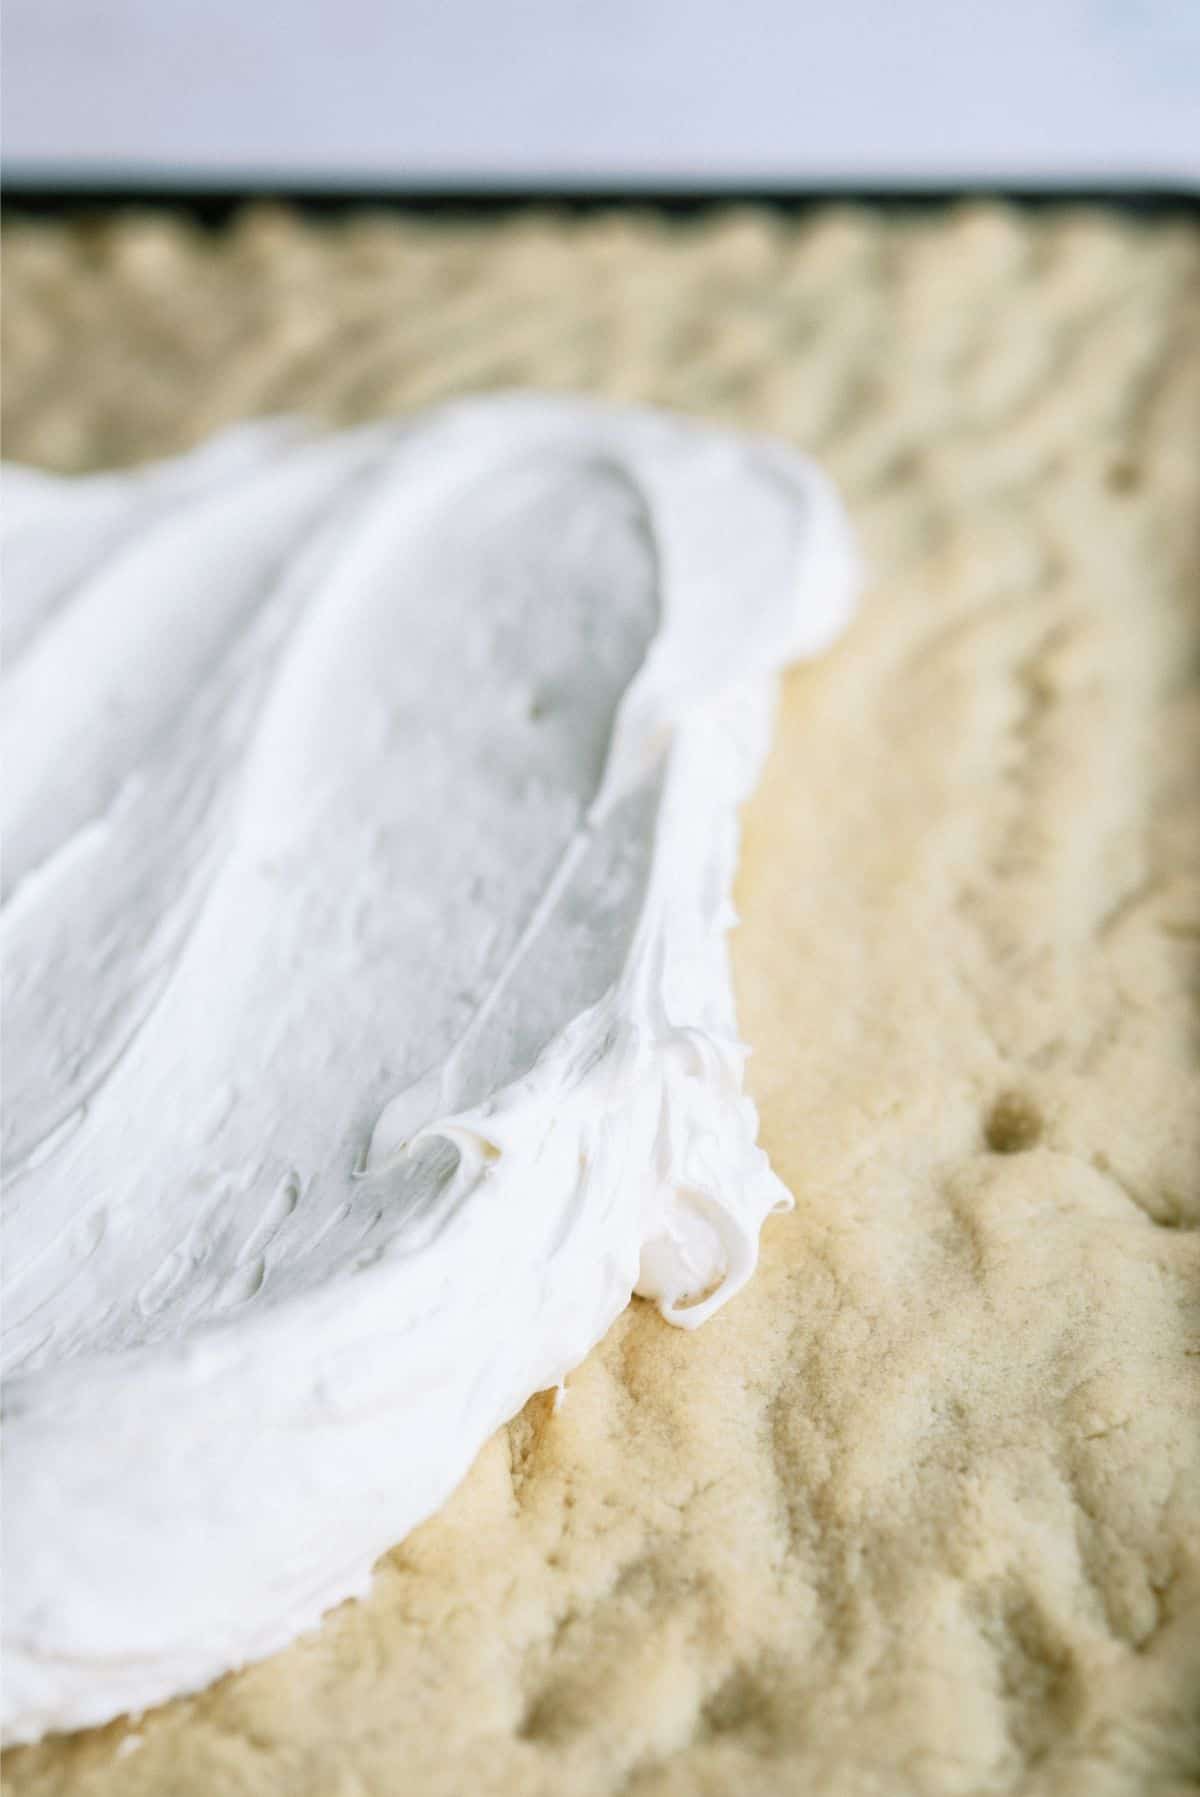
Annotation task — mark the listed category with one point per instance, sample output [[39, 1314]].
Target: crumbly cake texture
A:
[[920, 1511]]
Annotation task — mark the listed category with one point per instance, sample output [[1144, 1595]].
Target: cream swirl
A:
[[370, 832]]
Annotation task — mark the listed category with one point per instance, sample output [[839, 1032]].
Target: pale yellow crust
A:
[[920, 1511]]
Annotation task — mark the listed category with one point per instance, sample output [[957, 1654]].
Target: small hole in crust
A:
[[739, 1704], [1124, 477], [1013, 1124]]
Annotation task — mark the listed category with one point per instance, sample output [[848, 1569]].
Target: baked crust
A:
[[921, 1510]]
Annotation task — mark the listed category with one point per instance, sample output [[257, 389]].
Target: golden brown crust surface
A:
[[920, 1512]]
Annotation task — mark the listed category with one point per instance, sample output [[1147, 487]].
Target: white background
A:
[[365, 92]]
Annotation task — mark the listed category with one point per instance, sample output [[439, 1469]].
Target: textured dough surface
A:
[[920, 1511]]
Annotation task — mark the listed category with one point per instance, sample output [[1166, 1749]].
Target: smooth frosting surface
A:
[[370, 820]]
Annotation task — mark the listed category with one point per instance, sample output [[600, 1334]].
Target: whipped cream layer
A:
[[370, 821]]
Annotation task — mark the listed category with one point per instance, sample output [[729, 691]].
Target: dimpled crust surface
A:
[[920, 1511]]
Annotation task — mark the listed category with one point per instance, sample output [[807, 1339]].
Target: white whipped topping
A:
[[370, 820]]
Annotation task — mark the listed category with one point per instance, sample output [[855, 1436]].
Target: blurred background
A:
[[369, 94]]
